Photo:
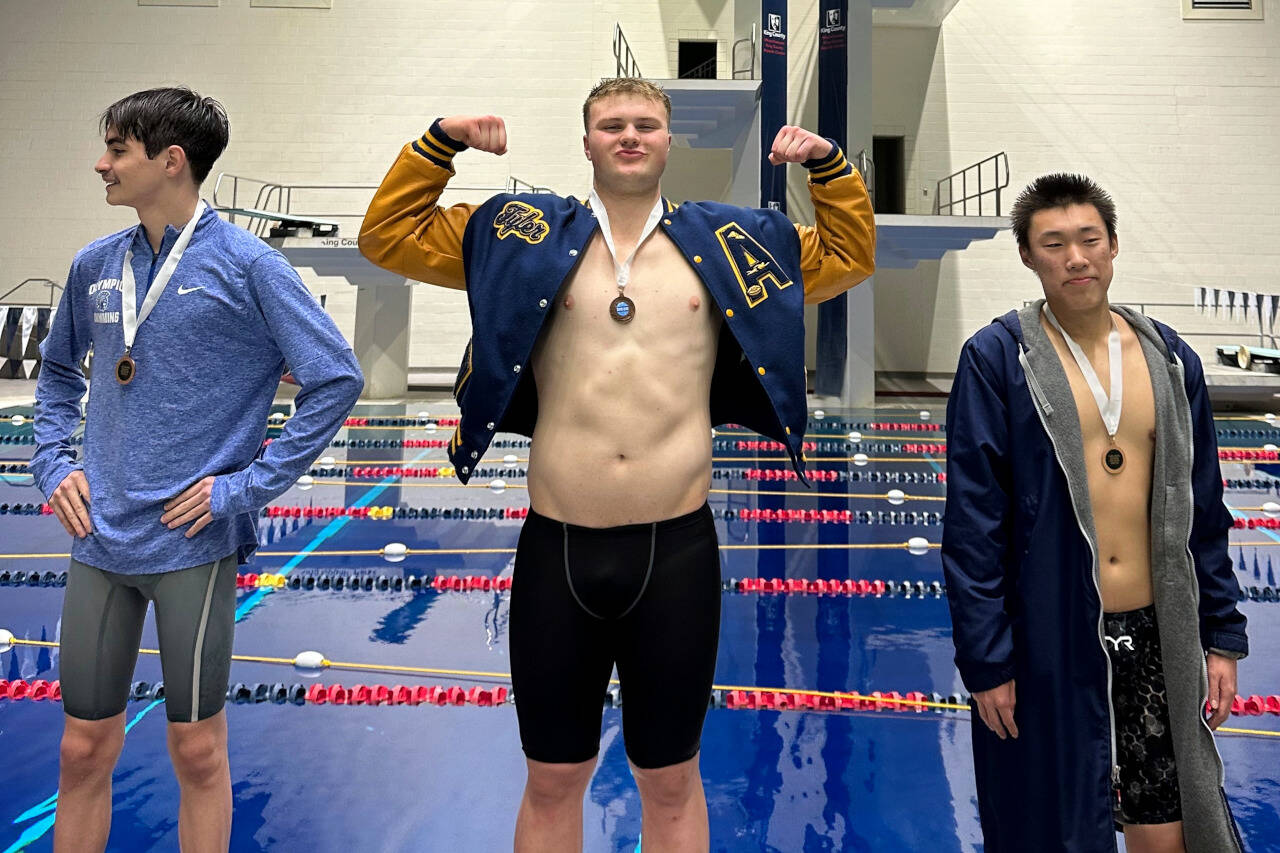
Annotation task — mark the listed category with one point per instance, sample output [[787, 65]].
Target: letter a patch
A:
[[754, 267]]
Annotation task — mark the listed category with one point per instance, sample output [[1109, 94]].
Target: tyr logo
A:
[[522, 220], [754, 267], [1123, 640]]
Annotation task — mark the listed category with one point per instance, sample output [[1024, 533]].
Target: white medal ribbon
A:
[[1108, 405], [130, 317], [623, 270]]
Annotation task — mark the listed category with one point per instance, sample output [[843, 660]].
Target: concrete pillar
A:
[[382, 338], [744, 189], [860, 368], [745, 186]]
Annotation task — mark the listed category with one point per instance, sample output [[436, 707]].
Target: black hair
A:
[[178, 116], [1060, 190]]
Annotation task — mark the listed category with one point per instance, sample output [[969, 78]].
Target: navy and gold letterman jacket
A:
[[514, 252]]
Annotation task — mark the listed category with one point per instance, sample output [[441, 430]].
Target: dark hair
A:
[[637, 86], [178, 116], [1060, 190]]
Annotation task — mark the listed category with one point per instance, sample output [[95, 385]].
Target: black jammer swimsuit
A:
[[645, 597]]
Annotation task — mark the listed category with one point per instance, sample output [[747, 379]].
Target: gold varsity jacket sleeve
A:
[[405, 230], [839, 251]]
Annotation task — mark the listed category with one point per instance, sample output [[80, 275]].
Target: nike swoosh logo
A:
[[182, 290]]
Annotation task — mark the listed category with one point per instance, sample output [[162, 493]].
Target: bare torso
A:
[[624, 421], [1121, 502]]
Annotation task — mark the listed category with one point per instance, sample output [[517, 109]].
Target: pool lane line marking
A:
[[947, 706], [427, 552], [38, 830], [1271, 534], [754, 457], [49, 805], [326, 532]]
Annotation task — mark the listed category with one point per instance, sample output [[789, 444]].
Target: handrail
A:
[[277, 198], [866, 166], [235, 187], [261, 201], [705, 71], [515, 185], [53, 286], [733, 56], [625, 60], [994, 186]]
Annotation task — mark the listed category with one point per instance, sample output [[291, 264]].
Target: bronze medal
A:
[[622, 309], [126, 369], [1113, 460]]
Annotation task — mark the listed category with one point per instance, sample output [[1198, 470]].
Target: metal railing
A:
[[866, 166], [705, 71], [53, 286], [271, 197], [980, 184], [515, 185], [625, 59], [276, 198], [750, 69]]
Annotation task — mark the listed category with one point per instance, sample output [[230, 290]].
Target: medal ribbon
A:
[[130, 316], [1108, 405], [623, 270]]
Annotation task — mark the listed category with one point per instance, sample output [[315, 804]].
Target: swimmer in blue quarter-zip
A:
[[191, 320], [617, 330], [1093, 603]]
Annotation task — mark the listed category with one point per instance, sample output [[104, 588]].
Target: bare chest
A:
[[672, 308], [1136, 433]]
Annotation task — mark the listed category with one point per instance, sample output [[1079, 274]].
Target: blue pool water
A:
[[356, 778]]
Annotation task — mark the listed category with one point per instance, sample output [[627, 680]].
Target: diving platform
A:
[[903, 241]]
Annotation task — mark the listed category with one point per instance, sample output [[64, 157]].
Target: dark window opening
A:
[[887, 153], [697, 60]]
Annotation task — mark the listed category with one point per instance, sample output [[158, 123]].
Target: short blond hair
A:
[[611, 86]]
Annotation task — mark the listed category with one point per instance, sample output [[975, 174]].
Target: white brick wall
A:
[[1178, 120], [315, 96]]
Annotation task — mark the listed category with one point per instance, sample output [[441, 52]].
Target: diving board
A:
[[290, 224]]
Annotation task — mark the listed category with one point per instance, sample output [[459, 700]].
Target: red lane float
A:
[[1251, 455], [792, 586], [399, 694], [37, 691]]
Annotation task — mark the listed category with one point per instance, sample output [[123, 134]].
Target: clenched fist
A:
[[795, 145], [484, 133]]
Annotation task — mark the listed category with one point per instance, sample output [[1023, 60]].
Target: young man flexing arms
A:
[[617, 332], [1085, 546], [191, 321]]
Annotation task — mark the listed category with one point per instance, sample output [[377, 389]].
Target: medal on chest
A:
[[1110, 403], [622, 309], [131, 317], [1113, 460], [125, 369]]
